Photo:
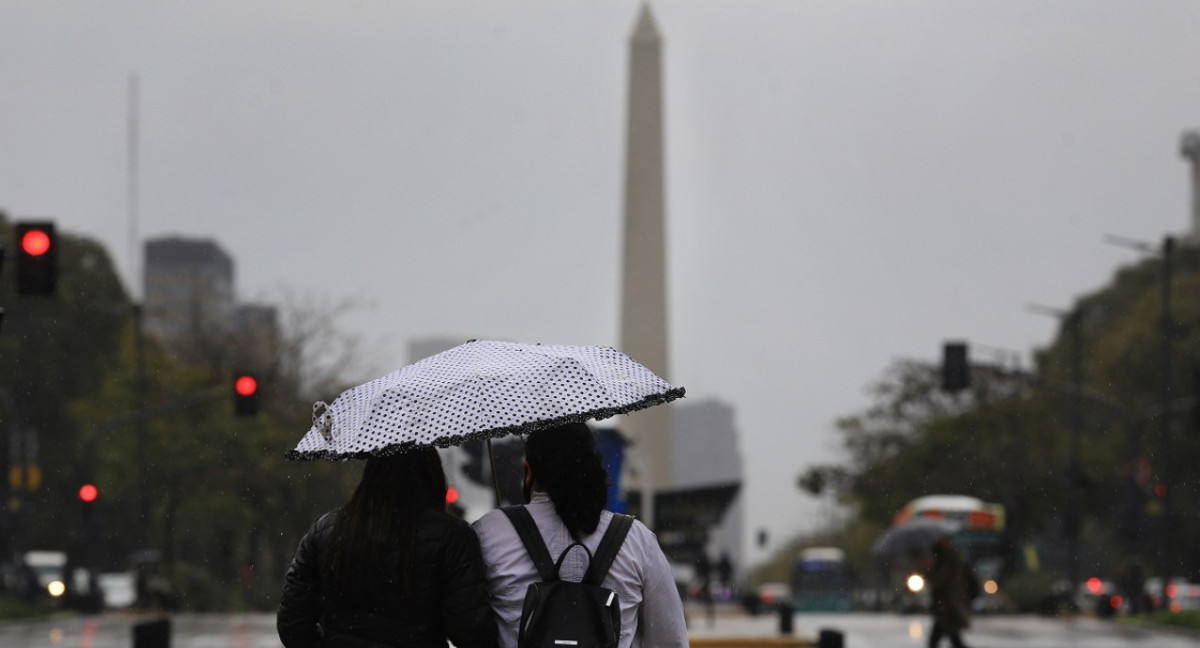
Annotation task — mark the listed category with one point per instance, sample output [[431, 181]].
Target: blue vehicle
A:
[[822, 581]]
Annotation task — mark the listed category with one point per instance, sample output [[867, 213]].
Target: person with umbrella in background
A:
[[948, 594], [566, 486], [390, 567], [393, 535]]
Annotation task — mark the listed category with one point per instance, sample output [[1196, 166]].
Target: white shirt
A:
[[651, 612]]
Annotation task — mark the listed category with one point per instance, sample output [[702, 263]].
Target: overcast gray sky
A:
[[849, 182]]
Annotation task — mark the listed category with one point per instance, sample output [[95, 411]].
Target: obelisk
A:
[[644, 281]]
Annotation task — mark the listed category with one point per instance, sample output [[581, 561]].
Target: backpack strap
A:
[[523, 522], [606, 552]]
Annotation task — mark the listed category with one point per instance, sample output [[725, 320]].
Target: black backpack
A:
[[559, 613]]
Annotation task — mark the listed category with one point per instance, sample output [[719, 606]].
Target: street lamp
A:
[[1161, 462], [1073, 326]]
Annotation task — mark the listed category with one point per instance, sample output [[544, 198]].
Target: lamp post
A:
[[1166, 472], [1161, 462], [1073, 326]]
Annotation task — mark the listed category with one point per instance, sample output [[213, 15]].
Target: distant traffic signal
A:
[[37, 258], [956, 369], [88, 493], [245, 394]]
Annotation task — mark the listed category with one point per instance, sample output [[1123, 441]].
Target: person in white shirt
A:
[[566, 487]]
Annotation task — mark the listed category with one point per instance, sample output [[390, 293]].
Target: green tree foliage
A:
[[52, 350], [1008, 439], [222, 508], [208, 493]]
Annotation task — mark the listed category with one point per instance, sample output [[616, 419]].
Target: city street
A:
[[860, 631], [864, 630]]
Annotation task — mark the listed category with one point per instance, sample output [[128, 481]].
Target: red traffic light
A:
[[89, 492], [245, 385], [35, 242], [245, 394], [37, 258], [451, 495]]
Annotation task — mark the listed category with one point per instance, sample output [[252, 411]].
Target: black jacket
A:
[[448, 600]]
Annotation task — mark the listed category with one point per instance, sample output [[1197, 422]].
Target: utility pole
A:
[[139, 391], [1072, 324], [1164, 468], [1161, 460], [139, 375]]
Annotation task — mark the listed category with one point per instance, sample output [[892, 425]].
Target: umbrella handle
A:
[[495, 478]]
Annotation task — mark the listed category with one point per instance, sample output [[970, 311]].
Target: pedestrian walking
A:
[[948, 594], [389, 567], [725, 572], [566, 490], [704, 576]]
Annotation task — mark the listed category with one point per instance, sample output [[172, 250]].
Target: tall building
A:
[[684, 465], [644, 280], [189, 293], [191, 308], [1189, 148], [700, 513], [707, 459]]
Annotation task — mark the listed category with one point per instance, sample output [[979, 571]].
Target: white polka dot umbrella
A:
[[481, 389]]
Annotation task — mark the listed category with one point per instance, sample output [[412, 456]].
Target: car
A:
[[766, 597], [1099, 596], [119, 589], [1181, 595], [49, 570]]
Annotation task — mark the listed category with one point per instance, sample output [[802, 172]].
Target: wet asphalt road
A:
[[860, 631]]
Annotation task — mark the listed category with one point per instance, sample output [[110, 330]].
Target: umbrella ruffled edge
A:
[[521, 429]]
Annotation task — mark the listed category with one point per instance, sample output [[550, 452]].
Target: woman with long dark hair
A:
[[566, 487], [389, 567]]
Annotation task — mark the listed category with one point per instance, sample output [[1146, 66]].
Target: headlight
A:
[[916, 583], [56, 588]]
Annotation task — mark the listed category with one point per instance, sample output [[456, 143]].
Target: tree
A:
[[52, 350], [1009, 438]]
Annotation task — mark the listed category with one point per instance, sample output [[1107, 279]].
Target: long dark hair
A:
[[565, 463], [387, 505]]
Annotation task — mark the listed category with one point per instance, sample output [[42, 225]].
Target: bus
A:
[[978, 540], [821, 581], [981, 523]]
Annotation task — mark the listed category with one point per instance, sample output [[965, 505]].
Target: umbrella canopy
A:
[[481, 389], [917, 534]]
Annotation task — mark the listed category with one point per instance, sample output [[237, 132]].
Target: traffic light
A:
[[88, 493], [37, 258], [956, 369], [245, 394]]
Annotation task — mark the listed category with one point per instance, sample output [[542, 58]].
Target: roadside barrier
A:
[[826, 639], [152, 634]]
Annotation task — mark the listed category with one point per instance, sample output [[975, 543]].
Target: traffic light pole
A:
[[139, 390], [1073, 520], [1162, 462], [7, 521], [1163, 413], [1166, 471]]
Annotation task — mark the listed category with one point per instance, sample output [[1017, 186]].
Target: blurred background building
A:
[[189, 289], [191, 305]]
